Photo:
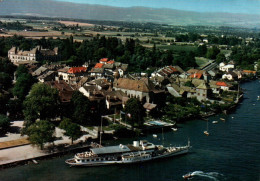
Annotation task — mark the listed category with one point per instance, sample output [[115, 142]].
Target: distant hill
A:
[[51, 8]]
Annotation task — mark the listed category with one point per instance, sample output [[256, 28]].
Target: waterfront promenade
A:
[[13, 154]]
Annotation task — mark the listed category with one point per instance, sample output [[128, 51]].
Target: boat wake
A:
[[211, 175]]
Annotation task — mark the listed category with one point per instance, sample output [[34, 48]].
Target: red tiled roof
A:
[[196, 75], [174, 69], [74, 70], [221, 84], [249, 71], [111, 62], [99, 65], [103, 60]]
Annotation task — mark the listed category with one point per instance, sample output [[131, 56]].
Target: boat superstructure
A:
[[139, 151]]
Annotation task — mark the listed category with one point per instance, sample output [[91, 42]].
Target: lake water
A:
[[230, 152]]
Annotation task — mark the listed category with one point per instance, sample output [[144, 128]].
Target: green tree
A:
[[72, 130], [7, 67], [213, 52], [5, 80], [41, 132], [3, 102], [201, 50], [15, 109], [220, 58], [135, 111], [4, 124], [41, 103], [80, 108], [21, 70], [23, 85]]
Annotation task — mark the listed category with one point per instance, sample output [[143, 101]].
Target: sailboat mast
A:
[[100, 131]]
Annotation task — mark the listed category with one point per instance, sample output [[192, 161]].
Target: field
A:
[[71, 23], [178, 48], [38, 34]]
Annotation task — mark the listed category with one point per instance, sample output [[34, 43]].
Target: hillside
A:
[[51, 8]]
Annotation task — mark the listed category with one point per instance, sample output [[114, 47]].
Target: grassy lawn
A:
[[201, 61]]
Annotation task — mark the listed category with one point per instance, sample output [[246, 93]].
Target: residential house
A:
[[101, 84], [72, 75], [92, 93], [103, 60], [226, 67], [167, 71], [202, 91], [223, 85], [249, 72], [63, 74], [230, 76], [138, 88], [97, 71], [48, 76], [115, 100], [174, 90], [65, 90], [239, 74], [41, 70]]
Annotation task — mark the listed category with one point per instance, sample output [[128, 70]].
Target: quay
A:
[[17, 150]]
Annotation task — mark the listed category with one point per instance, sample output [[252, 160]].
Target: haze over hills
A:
[[50, 8]]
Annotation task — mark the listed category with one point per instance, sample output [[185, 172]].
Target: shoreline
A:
[[82, 147], [33, 160]]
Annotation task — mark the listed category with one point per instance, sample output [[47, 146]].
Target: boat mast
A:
[[100, 134]]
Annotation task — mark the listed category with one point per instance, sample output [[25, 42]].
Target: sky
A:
[[231, 6]]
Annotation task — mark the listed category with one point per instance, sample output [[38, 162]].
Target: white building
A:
[[226, 68]]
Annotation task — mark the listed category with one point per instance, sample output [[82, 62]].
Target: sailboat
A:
[[206, 132]]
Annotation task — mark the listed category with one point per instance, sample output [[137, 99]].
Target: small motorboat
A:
[[187, 176], [214, 122], [222, 119], [155, 135], [174, 129], [206, 133]]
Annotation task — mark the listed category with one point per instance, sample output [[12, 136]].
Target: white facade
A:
[[137, 94], [84, 92], [17, 56], [65, 76], [226, 68], [227, 76]]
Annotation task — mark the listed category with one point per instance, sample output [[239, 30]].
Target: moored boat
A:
[[206, 133], [139, 151], [222, 119], [175, 129]]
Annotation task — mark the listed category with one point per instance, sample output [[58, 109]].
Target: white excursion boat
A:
[[140, 151]]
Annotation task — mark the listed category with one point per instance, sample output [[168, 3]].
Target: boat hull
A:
[[73, 163]]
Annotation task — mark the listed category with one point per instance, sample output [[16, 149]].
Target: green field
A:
[[201, 61], [178, 48]]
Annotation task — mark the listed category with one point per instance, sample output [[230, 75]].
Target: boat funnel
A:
[[136, 143]]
